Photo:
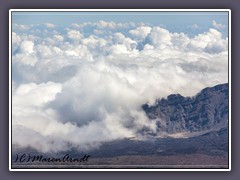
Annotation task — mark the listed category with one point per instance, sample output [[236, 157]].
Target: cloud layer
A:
[[81, 85]]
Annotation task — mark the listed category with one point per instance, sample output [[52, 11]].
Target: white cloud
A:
[[24, 53], [208, 40], [50, 25], [119, 38], [25, 59], [58, 37], [141, 32], [21, 27], [35, 94], [16, 40], [98, 32], [74, 35], [180, 40], [72, 90], [160, 37], [217, 46], [119, 49], [44, 51], [27, 47], [218, 25], [93, 42], [194, 27], [103, 24], [75, 25]]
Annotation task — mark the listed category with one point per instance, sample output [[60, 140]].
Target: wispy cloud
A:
[[50, 25], [194, 27], [218, 25]]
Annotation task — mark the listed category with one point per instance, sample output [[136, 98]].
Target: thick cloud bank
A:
[[81, 85]]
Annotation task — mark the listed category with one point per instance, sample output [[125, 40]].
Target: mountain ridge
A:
[[207, 110]]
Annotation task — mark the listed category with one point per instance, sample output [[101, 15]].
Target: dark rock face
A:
[[208, 110]]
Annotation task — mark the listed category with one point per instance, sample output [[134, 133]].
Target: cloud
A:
[[207, 40], [217, 46], [122, 44], [75, 89], [74, 35], [27, 47], [16, 40], [50, 25], [58, 37], [41, 93], [24, 53], [194, 27], [21, 27], [103, 24], [218, 25], [94, 42], [159, 37], [141, 32]]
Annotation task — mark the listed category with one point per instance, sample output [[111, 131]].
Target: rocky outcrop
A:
[[208, 110]]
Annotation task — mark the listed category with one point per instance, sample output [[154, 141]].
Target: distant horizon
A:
[[196, 22]]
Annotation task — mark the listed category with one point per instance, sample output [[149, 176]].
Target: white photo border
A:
[[119, 10]]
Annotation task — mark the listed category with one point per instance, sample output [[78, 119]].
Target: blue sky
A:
[[173, 21]]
